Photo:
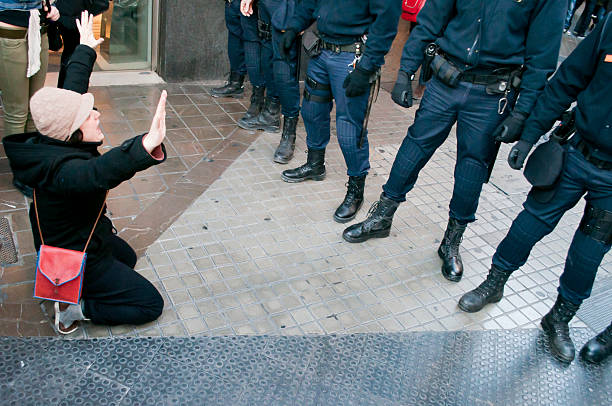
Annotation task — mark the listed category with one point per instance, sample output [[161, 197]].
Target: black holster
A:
[[264, 30], [445, 70], [311, 43], [426, 73]]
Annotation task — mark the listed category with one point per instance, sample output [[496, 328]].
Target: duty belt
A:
[[18, 34], [355, 47], [587, 152], [483, 79]]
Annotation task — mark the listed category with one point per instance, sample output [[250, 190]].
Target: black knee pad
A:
[[597, 224], [312, 85], [315, 98]]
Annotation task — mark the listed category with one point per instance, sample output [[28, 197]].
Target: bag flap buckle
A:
[[60, 265]]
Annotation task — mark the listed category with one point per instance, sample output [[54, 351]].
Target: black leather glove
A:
[[357, 82], [510, 129], [286, 42], [518, 153], [402, 91]]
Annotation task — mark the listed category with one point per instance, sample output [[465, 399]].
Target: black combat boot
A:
[[257, 101], [314, 168], [269, 118], [452, 267], [233, 87], [599, 347], [489, 291], [284, 151], [378, 223], [352, 201], [555, 324]]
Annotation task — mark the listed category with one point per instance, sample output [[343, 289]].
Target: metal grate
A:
[[8, 253]]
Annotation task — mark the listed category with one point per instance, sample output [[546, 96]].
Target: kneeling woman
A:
[[71, 180]]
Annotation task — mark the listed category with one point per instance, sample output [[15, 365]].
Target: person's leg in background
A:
[[433, 121], [598, 15], [537, 220], [590, 244], [252, 57], [234, 86], [71, 39], [477, 119], [571, 6], [269, 117], [350, 115], [286, 77], [316, 109], [585, 19], [119, 294], [17, 88], [38, 80], [571, 14]]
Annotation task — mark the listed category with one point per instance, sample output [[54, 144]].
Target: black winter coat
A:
[[71, 180], [70, 10]]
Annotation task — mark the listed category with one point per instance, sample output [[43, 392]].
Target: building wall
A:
[[192, 40]]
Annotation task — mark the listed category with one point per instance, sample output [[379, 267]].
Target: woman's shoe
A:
[[59, 325]]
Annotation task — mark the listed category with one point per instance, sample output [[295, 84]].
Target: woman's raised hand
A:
[[157, 133], [85, 27]]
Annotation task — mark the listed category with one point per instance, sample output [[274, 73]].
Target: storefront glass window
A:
[[126, 28]]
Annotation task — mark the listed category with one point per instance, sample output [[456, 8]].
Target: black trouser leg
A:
[[121, 295]]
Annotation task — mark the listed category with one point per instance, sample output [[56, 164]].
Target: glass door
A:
[[127, 28]]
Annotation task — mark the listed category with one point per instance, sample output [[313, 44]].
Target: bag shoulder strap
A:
[[92, 230]]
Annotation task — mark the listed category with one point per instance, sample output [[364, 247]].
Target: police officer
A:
[[476, 51], [285, 74], [585, 76], [263, 114], [244, 52], [342, 68]]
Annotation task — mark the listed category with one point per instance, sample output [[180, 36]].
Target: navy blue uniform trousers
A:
[[331, 69], [476, 114], [264, 13], [579, 178], [286, 76], [243, 45]]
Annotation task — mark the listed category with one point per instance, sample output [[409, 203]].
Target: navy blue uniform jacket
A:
[[586, 76], [489, 34], [345, 21]]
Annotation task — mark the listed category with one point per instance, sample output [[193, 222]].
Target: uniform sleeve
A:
[[303, 16], [572, 77], [541, 50], [78, 69], [381, 32], [106, 171], [432, 19]]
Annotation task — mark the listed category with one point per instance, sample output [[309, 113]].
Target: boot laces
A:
[[375, 211], [351, 191], [492, 283], [566, 312], [452, 241]]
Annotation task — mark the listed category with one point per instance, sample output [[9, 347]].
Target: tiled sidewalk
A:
[[255, 255], [237, 251]]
